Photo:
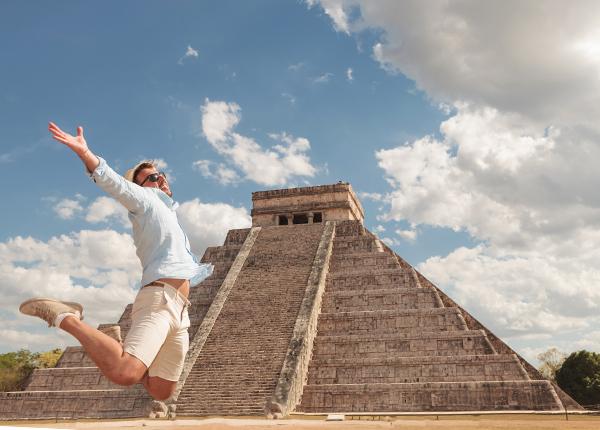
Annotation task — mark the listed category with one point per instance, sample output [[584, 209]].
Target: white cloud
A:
[[336, 11], [44, 340], [68, 208], [189, 53], [273, 166], [408, 235], [389, 241], [531, 295], [289, 97], [323, 79], [296, 67], [220, 172], [218, 121], [106, 209], [534, 58], [207, 223], [490, 176], [376, 197], [349, 74], [96, 268]]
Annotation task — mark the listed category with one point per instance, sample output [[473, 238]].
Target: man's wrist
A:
[[84, 153]]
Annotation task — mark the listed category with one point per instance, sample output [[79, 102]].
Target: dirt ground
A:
[[490, 422]]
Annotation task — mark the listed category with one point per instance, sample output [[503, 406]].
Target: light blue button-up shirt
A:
[[161, 244]]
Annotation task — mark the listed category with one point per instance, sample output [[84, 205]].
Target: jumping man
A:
[[155, 347]]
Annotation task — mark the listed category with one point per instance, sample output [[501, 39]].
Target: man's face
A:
[[162, 182]]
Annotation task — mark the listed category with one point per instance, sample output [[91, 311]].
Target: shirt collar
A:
[[171, 204]]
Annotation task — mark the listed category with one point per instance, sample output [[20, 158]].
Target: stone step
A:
[[126, 315], [381, 299], [370, 279], [416, 344], [93, 404], [350, 229], [236, 237], [220, 254], [494, 367], [72, 378], [359, 269], [74, 356], [370, 260], [124, 323], [431, 396], [349, 245], [390, 321]]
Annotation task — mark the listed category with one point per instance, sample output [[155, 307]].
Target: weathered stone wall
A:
[[74, 404], [395, 369], [387, 342], [416, 343], [431, 396], [65, 379]]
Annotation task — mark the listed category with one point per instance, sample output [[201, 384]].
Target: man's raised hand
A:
[[76, 143]]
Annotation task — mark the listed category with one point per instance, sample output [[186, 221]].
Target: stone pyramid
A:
[[307, 311]]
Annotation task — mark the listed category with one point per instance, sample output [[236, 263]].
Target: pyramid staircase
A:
[[239, 364], [75, 388]]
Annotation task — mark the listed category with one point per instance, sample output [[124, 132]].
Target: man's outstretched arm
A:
[[77, 144], [130, 195]]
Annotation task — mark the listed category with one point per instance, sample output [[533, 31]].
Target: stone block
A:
[[74, 404], [388, 321], [439, 397]]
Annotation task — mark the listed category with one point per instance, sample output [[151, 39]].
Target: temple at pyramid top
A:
[[306, 205]]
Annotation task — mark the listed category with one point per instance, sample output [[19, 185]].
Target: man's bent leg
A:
[[159, 388], [118, 366]]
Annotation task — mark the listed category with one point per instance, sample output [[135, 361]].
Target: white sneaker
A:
[[49, 309]]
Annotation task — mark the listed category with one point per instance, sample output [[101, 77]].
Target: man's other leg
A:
[[118, 366], [106, 352]]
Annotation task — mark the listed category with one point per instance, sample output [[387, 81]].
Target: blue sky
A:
[[469, 134]]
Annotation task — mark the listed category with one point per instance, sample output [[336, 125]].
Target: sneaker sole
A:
[[37, 299]]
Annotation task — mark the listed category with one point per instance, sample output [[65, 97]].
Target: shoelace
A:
[[45, 314]]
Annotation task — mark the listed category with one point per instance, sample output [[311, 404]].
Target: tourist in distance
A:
[[155, 347]]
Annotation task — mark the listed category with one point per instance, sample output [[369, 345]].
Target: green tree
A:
[[550, 362], [48, 359], [579, 376], [15, 367]]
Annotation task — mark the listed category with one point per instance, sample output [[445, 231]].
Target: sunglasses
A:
[[153, 177]]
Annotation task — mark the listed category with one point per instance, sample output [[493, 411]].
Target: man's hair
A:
[[143, 165]]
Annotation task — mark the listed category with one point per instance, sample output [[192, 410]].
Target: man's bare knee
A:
[[161, 394], [160, 389], [128, 372]]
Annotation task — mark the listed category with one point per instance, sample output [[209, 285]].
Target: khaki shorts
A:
[[158, 334]]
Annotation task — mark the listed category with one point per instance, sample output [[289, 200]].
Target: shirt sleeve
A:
[[130, 195]]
